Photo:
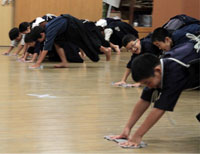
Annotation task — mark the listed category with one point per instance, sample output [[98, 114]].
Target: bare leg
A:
[[33, 58], [62, 56], [107, 52]]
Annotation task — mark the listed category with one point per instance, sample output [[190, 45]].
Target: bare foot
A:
[[82, 55], [61, 65], [107, 52], [117, 49], [36, 66]]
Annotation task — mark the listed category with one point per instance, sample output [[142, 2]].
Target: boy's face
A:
[[134, 46], [42, 37], [165, 46], [154, 81], [19, 37]]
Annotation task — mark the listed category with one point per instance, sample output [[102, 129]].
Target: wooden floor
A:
[[70, 110]]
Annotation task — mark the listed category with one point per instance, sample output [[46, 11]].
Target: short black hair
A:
[[128, 38], [36, 32], [28, 38], [13, 33], [159, 34], [23, 26], [143, 66], [100, 28]]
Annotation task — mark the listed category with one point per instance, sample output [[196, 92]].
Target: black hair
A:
[[128, 38], [23, 26], [13, 33], [159, 34], [36, 32], [28, 38], [143, 66], [101, 29]]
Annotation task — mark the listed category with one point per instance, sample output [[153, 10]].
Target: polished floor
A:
[[70, 110]]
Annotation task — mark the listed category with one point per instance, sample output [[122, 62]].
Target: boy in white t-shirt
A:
[[17, 39]]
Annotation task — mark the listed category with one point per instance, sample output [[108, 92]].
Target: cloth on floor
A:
[[141, 145]]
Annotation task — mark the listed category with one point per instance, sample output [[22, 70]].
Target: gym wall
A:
[[6, 18], [163, 10], [27, 10]]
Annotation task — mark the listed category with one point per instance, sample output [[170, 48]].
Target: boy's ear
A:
[[158, 69], [168, 39], [20, 35], [156, 43], [40, 35]]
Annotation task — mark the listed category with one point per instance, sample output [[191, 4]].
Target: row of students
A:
[[167, 76], [161, 40], [17, 35], [66, 28], [17, 39], [86, 36], [177, 70], [34, 50]]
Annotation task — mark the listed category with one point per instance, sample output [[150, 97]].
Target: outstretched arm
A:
[[41, 58], [137, 112], [151, 119], [124, 78], [9, 50]]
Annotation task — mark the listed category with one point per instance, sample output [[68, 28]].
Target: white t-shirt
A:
[[15, 43], [108, 32]]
